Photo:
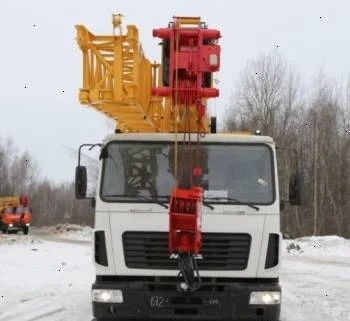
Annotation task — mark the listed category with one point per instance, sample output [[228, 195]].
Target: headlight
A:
[[110, 296], [10, 225], [265, 297], [27, 224]]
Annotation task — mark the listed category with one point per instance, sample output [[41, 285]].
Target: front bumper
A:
[[15, 226], [217, 299]]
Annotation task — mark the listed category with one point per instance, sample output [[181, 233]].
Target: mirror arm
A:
[[92, 146]]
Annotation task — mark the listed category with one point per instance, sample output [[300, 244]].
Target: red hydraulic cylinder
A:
[[190, 54]]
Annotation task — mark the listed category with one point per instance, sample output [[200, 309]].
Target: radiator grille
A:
[[220, 251]]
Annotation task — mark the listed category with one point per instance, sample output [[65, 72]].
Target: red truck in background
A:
[[15, 214]]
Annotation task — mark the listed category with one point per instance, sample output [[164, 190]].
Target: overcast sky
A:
[[41, 69]]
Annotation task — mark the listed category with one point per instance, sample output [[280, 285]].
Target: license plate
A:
[[212, 301], [158, 301]]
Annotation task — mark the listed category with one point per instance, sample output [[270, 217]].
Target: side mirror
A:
[[80, 182], [295, 189]]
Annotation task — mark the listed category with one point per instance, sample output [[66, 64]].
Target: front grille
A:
[[220, 251]]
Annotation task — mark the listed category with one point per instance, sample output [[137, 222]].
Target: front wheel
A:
[[25, 230]]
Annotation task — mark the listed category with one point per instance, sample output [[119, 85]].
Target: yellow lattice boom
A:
[[9, 201], [118, 80]]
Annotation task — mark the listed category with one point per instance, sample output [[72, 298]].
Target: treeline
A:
[[313, 119], [51, 203]]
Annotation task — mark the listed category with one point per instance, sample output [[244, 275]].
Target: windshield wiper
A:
[[206, 204], [140, 197], [236, 201], [153, 200]]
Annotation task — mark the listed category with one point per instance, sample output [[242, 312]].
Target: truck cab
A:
[[15, 215], [136, 277]]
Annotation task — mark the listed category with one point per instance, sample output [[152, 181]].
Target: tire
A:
[[25, 230]]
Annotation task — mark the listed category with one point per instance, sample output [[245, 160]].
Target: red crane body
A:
[[190, 56]]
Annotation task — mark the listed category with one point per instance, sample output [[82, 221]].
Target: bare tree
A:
[[269, 96], [19, 174], [259, 95]]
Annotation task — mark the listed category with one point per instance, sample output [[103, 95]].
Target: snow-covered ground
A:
[[45, 280], [315, 278], [47, 276], [70, 231]]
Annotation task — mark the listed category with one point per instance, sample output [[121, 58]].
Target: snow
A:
[[44, 280], [315, 278], [71, 231], [47, 276], [332, 246]]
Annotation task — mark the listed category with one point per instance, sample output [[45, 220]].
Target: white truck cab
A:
[[136, 277]]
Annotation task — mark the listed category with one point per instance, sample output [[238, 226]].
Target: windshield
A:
[[142, 172], [10, 210], [16, 210]]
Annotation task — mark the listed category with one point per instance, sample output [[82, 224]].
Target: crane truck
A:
[[15, 214], [187, 220]]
